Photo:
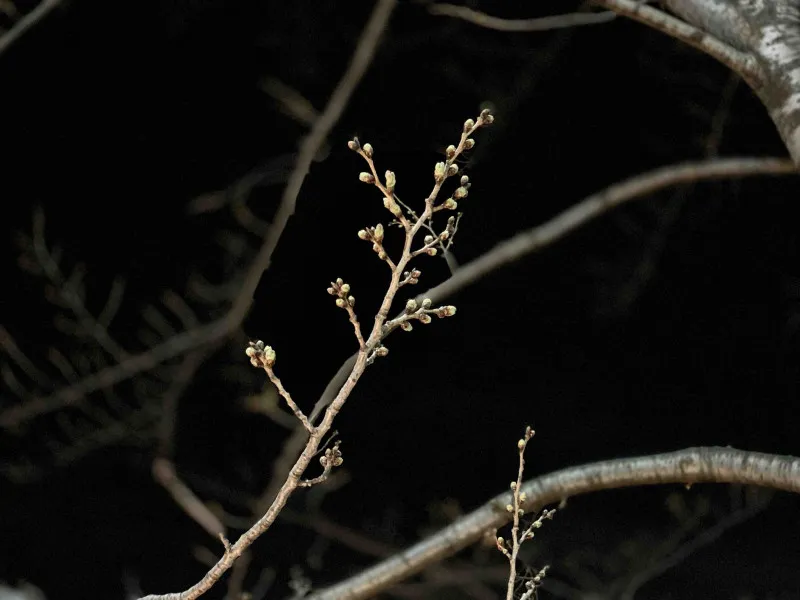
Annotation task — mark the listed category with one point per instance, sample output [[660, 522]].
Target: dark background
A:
[[669, 323]]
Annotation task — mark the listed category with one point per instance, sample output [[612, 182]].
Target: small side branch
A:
[[332, 458], [164, 473], [263, 357]]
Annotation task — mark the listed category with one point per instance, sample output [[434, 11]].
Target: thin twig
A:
[[164, 473], [520, 25]]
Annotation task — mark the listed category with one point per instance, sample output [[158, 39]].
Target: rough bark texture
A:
[[769, 30]]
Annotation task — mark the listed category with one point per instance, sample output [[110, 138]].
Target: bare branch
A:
[[693, 465], [520, 25], [598, 204], [758, 40], [44, 8], [164, 473], [222, 328], [740, 62], [588, 209], [365, 50]]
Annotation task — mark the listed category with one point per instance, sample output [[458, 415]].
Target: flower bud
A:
[[439, 172]]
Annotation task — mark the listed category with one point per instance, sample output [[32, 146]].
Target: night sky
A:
[[148, 140]]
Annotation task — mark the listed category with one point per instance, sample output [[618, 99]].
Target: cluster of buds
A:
[[422, 312], [374, 235], [356, 146], [392, 206], [341, 290], [533, 583], [430, 241], [366, 177], [522, 442], [260, 355], [332, 457], [442, 170], [411, 277], [485, 118], [378, 352], [462, 191]]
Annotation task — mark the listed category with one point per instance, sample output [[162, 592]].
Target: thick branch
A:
[[736, 60], [693, 465], [758, 40]]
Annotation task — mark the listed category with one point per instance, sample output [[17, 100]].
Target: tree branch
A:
[[758, 40], [44, 8], [693, 465], [597, 205], [520, 25], [537, 238], [230, 322]]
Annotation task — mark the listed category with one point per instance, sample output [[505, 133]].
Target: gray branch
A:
[[758, 39], [693, 465]]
